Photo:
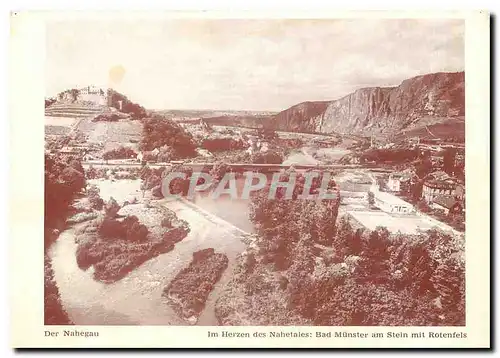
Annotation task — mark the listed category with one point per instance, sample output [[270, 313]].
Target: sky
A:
[[240, 64]]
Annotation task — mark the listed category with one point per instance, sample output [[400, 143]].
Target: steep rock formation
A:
[[419, 101], [303, 117]]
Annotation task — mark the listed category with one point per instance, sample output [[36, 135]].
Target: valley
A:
[[122, 253]]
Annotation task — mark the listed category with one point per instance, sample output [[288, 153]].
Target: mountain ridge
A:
[[432, 98]]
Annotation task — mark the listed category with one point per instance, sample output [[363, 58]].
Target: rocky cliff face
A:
[[303, 117], [416, 102]]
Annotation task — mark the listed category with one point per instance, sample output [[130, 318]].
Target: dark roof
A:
[[446, 201], [440, 184]]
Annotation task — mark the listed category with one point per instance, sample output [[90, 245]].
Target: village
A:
[[407, 187], [396, 196]]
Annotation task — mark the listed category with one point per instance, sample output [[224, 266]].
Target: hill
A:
[[233, 118], [91, 100], [417, 102]]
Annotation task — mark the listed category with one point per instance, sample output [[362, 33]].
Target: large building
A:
[[93, 94], [391, 203], [448, 204], [438, 183]]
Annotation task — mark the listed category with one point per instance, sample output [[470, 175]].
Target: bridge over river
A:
[[238, 166]]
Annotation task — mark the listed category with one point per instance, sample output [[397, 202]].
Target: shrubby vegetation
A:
[[49, 101], [189, 290], [393, 155], [116, 245], [218, 143], [269, 157], [328, 272], [64, 179], [219, 170], [71, 93], [158, 132], [129, 229], [135, 110], [119, 153], [153, 178], [116, 172], [107, 117], [54, 313]]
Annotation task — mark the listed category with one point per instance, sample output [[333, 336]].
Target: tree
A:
[[269, 157], [111, 208], [267, 134], [423, 167], [119, 153], [158, 132], [94, 198], [49, 101], [449, 156], [74, 94], [423, 206], [449, 280], [343, 238], [62, 184], [127, 106], [166, 154], [371, 198], [219, 170]]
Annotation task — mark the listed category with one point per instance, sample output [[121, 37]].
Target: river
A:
[[137, 298]]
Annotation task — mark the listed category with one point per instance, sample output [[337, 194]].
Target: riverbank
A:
[[116, 246], [137, 298]]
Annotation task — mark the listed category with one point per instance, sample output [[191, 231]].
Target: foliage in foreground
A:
[[54, 313], [64, 179], [115, 246], [325, 272]]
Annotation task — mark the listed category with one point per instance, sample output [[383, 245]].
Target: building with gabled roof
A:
[[447, 203]]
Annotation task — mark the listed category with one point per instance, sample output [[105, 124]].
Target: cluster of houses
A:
[[443, 192], [439, 190], [256, 145]]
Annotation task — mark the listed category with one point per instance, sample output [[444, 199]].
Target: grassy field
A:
[[120, 190], [114, 134]]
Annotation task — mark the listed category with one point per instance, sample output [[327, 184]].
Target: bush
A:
[[111, 208], [112, 229], [165, 155], [95, 200], [63, 182], [219, 170], [423, 206], [136, 232], [129, 229], [106, 117], [189, 290], [222, 144], [269, 157], [159, 132], [135, 110], [120, 153]]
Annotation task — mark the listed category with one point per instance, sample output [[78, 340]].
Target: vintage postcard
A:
[[211, 179]]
